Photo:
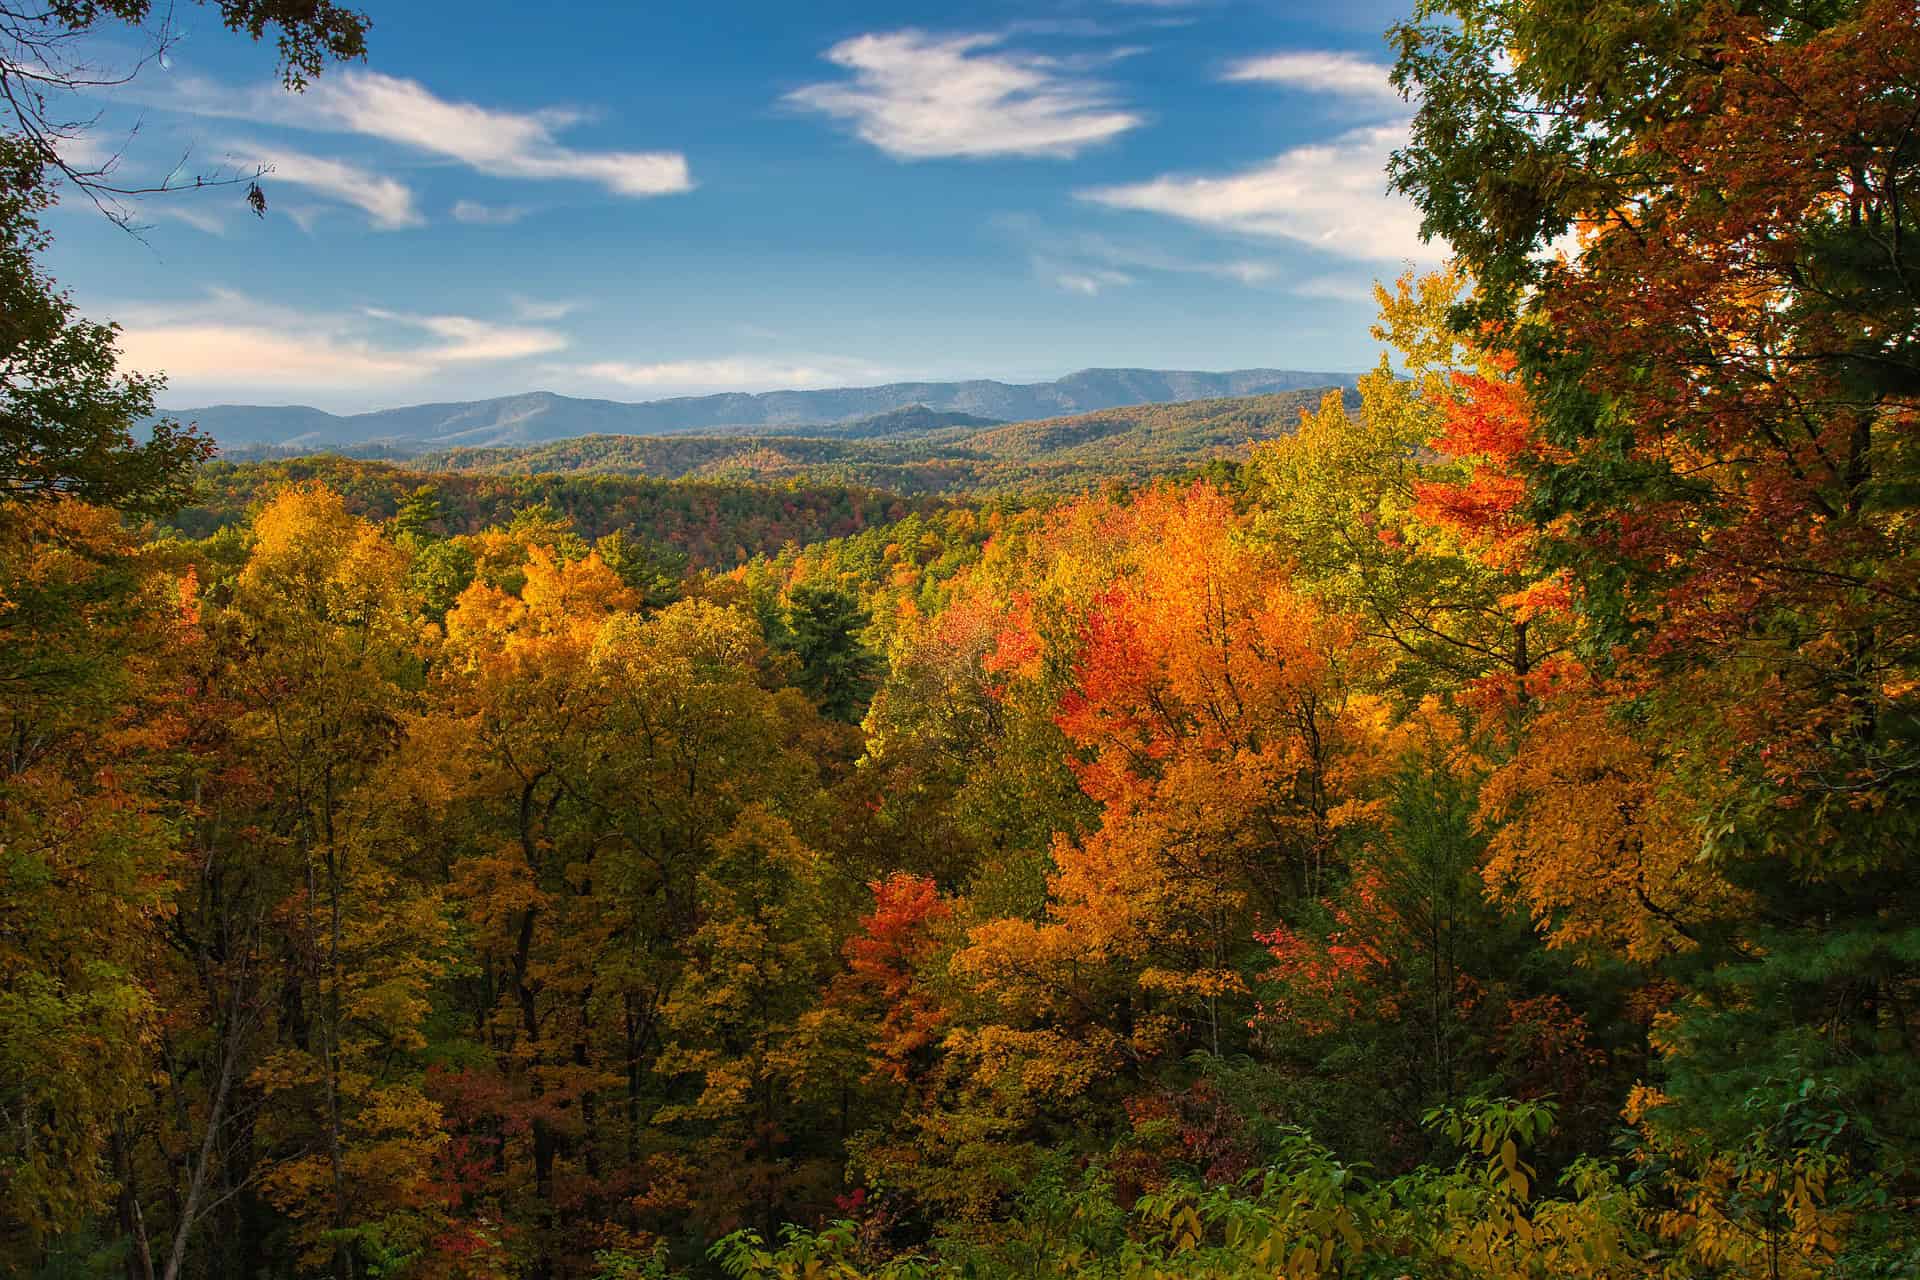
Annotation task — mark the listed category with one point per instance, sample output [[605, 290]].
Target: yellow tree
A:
[[757, 962], [519, 714], [311, 657], [598, 754], [1402, 513], [87, 861]]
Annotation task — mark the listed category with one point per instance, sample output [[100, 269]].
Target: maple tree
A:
[[1723, 372], [1405, 515], [1206, 709], [882, 966]]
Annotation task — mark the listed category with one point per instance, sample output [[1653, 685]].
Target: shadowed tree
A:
[[70, 422]]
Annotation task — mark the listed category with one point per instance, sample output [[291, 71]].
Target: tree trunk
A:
[[197, 1180]]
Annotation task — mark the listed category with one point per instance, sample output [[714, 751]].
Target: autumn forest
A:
[[1470, 832]]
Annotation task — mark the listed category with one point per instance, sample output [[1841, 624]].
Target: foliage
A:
[[1134, 442], [715, 525], [1473, 838], [835, 667], [67, 414]]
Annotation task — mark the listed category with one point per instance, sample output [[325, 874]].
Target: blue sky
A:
[[637, 202]]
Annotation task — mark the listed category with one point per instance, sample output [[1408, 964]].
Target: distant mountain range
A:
[[542, 416]]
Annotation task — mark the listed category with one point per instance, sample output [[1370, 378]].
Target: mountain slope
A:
[[717, 524], [1134, 441], [543, 416], [908, 420]]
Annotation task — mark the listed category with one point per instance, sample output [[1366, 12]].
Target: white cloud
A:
[[917, 96], [732, 373], [172, 209], [504, 144], [209, 352], [85, 151], [1249, 273], [1332, 196], [229, 341], [1338, 75], [486, 215], [387, 201], [499, 143], [306, 217], [1334, 288]]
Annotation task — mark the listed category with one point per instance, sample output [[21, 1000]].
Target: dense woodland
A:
[[1473, 836], [911, 451], [715, 524], [1130, 443]]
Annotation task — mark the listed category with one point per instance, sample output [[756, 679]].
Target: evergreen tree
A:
[[657, 572], [836, 667], [419, 513]]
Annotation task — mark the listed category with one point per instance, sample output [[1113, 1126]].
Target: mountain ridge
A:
[[1130, 442], [543, 416]]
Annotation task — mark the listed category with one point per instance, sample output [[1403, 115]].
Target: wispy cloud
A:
[[732, 373], [918, 96], [504, 144], [1090, 282], [306, 217], [1334, 288], [199, 217], [1332, 196], [543, 309], [387, 201], [1087, 262], [230, 341], [86, 152], [464, 340], [500, 143], [486, 215], [1338, 75]]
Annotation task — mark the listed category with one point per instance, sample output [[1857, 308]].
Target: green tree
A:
[[757, 963], [657, 572], [836, 667], [69, 419], [85, 854], [438, 573], [418, 514], [68, 416]]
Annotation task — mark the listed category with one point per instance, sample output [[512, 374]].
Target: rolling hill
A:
[[542, 416], [1134, 441]]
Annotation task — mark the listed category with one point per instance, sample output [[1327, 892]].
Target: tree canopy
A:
[[1473, 836]]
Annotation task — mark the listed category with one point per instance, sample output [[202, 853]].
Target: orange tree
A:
[[1727, 379]]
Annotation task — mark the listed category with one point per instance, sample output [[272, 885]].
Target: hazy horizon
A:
[[171, 404]]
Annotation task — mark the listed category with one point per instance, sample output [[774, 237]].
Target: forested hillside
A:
[[543, 416], [718, 523], [1471, 834], [1136, 442]]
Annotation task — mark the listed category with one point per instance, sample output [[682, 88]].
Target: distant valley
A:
[[902, 408]]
